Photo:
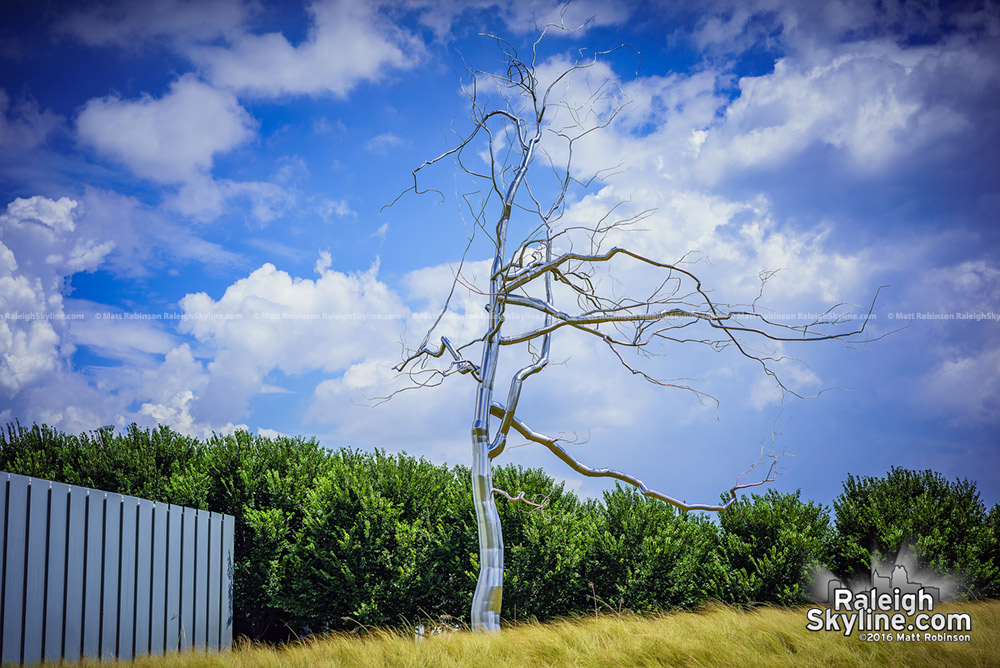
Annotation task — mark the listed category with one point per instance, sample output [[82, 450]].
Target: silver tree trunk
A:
[[489, 589]]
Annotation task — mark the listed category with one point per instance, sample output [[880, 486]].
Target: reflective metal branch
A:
[[603, 257], [460, 364], [583, 321], [553, 445], [519, 497], [514, 394]]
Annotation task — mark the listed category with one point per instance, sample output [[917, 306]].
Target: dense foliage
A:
[[945, 525], [773, 543], [348, 539]]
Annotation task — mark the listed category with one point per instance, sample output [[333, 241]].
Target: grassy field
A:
[[714, 636]]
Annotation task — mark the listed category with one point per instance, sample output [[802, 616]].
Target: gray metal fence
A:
[[93, 574]]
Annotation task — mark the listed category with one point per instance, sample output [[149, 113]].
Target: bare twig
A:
[[520, 497]]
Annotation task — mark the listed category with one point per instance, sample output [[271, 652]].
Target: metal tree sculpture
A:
[[529, 273]]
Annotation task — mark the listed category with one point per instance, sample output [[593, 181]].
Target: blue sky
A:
[[192, 228]]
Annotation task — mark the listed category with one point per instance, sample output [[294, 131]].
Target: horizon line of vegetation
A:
[[350, 540]]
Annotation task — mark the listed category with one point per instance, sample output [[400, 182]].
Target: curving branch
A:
[[553, 445], [519, 497]]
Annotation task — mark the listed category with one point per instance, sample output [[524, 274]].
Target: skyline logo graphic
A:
[[888, 608], [898, 583]]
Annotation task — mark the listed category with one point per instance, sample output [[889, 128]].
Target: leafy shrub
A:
[[772, 544], [545, 549], [648, 556], [945, 524], [381, 541]]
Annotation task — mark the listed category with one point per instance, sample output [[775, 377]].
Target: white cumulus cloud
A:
[[349, 42], [271, 320], [869, 103], [38, 249], [170, 390], [170, 139]]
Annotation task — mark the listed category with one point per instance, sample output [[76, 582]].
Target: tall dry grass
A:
[[714, 636]]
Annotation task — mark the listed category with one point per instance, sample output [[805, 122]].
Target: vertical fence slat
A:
[[173, 616], [202, 520], [112, 561], [188, 526], [13, 592], [94, 577], [228, 525], [126, 579], [143, 577], [76, 552], [158, 586], [4, 483], [56, 575], [34, 594], [213, 622]]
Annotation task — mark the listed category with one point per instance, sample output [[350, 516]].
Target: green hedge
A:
[[349, 539], [945, 525]]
